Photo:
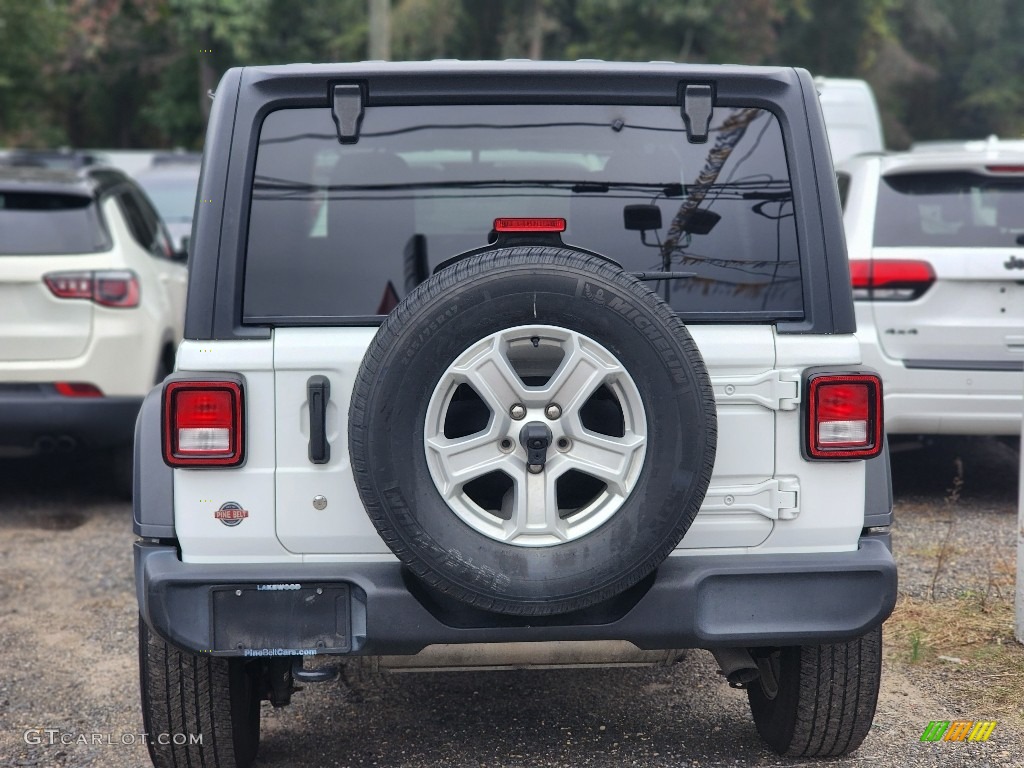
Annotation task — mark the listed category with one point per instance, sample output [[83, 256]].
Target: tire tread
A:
[[830, 702], [186, 693]]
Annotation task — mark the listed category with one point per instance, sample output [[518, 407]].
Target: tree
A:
[[137, 72], [30, 36]]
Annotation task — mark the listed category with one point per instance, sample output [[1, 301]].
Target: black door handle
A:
[[318, 392]]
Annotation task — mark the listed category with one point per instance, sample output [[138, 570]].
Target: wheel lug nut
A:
[[553, 411], [506, 445], [517, 411]]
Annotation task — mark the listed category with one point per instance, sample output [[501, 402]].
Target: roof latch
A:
[[348, 112], [698, 102]]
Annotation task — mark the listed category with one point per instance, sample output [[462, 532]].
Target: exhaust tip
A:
[[737, 666]]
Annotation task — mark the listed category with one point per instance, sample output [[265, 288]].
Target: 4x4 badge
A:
[[231, 513], [1014, 262]]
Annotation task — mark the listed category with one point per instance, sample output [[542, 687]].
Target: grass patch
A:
[[966, 641], [931, 551]]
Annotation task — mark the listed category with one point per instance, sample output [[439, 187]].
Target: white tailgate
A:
[[973, 313], [743, 498], [763, 494], [739, 511], [342, 525], [36, 324]]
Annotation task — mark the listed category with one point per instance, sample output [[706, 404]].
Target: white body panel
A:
[[199, 493], [764, 497], [37, 325], [342, 526]]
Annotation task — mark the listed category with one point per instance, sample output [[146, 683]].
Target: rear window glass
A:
[[174, 196], [345, 230], [949, 209], [38, 224]]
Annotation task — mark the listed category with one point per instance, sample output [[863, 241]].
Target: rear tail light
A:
[[529, 225], [109, 288], [844, 416], [898, 280], [203, 423], [69, 285], [77, 389]]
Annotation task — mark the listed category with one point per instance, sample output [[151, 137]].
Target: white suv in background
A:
[[93, 307], [936, 244]]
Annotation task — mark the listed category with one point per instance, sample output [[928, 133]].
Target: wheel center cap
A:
[[535, 437]]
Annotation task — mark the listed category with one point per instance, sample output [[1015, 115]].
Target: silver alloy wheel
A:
[[598, 438]]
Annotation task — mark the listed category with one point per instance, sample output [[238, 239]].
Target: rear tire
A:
[[211, 700], [818, 700]]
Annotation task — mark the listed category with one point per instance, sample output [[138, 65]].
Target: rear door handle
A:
[[318, 393]]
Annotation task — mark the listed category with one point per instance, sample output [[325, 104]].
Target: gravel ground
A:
[[68, 644], [974, 525]]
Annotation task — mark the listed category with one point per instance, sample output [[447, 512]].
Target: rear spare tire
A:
[[532, 431]]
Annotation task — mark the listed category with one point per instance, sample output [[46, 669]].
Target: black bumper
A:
[[374, 609], [36, 418]]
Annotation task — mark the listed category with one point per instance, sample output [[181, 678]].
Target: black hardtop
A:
[[517, 81], [245, 96]]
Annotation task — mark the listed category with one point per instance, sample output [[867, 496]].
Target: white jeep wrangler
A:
[[514, 364]]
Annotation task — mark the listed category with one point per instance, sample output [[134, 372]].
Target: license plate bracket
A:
[[281, 619]]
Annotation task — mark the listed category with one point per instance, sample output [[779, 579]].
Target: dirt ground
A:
[[69, 681]]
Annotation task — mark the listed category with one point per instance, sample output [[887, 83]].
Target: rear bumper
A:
[[35, 419], [945, 401], [373, 609]]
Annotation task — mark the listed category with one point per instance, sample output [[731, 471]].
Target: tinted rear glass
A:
[[344, 230], [949, 209], [38, 224]]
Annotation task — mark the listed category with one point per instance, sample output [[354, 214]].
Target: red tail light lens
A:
[[897, 280], [116, 289], [844, 416], [77, 389], [529, 225], [203, 423], [108, 288], [69, 285]]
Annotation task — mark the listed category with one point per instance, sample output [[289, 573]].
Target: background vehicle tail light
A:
[[109, 288], [897, 280], [203, 423], [844, 416], [77, 389]]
